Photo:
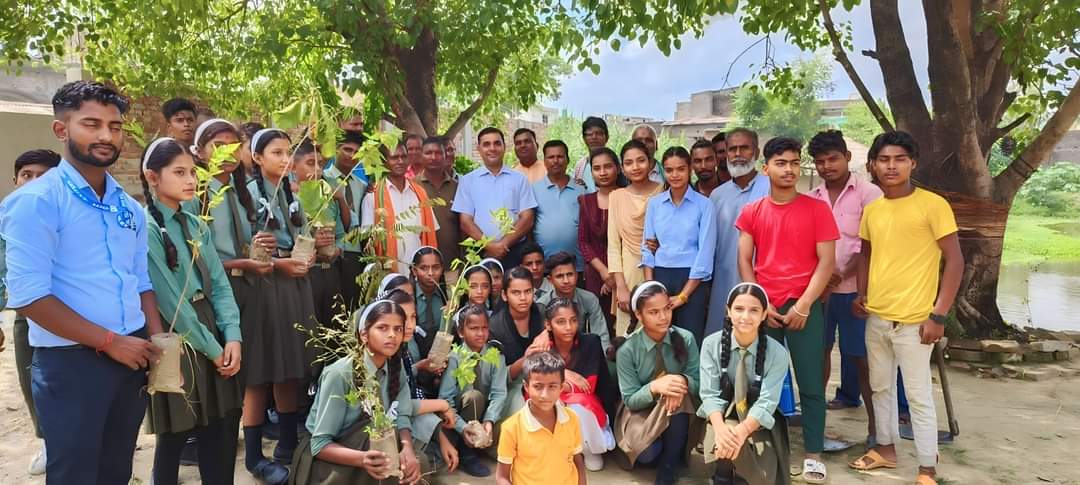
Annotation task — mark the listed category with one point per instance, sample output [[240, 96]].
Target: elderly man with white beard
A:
[[746, 186]]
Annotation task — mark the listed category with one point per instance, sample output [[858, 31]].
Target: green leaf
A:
[[290, 116]]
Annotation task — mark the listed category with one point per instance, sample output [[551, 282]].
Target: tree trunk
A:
[[981, 226], [418, 67]]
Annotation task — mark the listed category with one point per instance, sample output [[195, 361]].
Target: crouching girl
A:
[[338, 451], [741, 380]]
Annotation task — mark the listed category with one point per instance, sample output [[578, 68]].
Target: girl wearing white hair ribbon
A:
[[337, 451], [194, 295], [741, 382], [658, 379], [280, 361]]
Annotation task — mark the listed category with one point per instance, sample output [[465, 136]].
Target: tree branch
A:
[[842, 58], [901, 86], [1009, 181], [1004, 130], [468, 113]]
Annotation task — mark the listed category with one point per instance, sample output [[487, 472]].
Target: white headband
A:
[[386, 281], [361, 322], [641, 289], [199, 132], [259, 134], [478, 266], [755, 285], [493, 260], [150, 150], [421, 248]]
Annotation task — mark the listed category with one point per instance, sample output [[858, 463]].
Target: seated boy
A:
[[541, 443]]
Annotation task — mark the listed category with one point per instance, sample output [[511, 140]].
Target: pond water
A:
[[1045, 295]]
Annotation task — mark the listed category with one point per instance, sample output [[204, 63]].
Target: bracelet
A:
[[797, 312], [682, 298], [108, 341]]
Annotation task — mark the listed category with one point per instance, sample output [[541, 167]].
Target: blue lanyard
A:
[[124, 216]]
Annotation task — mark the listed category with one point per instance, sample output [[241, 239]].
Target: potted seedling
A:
[[165, 374], [380, 429], [475, 434], [444, 338], [316, 198]]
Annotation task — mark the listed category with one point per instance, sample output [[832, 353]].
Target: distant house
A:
[[710, 112], [1067, 150]]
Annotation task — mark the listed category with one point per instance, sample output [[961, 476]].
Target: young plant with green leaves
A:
[[465, 373]]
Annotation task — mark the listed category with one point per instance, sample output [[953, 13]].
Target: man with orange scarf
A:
[[401, 208]]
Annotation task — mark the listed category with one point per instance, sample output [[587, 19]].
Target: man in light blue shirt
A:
[[488, 189], [728, 200], [557, 205], [77, 269]]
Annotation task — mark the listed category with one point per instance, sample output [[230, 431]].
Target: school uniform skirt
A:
[[207, 394], [309, 470], [275, 350], [764, 458]]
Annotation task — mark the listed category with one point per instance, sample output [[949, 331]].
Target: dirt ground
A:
[[1012, 431]]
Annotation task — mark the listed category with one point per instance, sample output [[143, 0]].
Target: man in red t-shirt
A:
[[787, 245]]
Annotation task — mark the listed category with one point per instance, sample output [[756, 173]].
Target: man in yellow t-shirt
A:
[[905, 235], [541, 444]]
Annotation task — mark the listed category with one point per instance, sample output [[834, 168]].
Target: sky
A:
[[638, 81]]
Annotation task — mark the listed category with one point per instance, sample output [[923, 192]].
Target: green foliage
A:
[[1055, 188], [567, 127], [464, 165], [316, 197], [465, 373], [794, 112], [860, 125]]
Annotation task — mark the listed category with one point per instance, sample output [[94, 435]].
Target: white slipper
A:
[[813, 467]]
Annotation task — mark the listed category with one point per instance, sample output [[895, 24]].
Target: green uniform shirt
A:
[[354, 193], [331, 414], [176, 287], [229, 219], [490, 381], [772, 377], [636, 365]]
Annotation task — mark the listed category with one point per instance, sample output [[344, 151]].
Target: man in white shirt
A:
[[404, 212]]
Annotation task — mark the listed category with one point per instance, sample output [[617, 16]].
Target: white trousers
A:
[[888, 346]]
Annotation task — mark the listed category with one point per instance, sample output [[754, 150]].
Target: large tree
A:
[[994, 66], [412, 60]]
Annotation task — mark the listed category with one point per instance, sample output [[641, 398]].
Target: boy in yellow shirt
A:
[[905, 235], [541, 443]]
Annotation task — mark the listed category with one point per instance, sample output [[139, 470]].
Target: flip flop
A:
[[870, 461], [836, 404], [812, 466], [925, 480]]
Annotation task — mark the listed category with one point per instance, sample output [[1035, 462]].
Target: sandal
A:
[[870, 461], [924, 479], [811, 469]]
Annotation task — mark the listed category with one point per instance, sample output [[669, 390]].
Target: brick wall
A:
[[146, 111]]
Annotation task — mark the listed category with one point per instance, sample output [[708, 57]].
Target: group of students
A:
[[672, 308]]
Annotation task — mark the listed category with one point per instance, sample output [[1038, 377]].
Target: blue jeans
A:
[[90, 408], [852, 331]]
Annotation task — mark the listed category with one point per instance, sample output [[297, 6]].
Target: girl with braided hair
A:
[[196, 292], [279, 359], [337, 450], [742, 374]]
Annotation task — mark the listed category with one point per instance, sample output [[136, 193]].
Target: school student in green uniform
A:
[[195, 299]]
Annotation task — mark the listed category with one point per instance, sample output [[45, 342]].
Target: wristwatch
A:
[[938, 319]]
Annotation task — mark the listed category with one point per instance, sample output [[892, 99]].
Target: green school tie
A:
[[204, 272]]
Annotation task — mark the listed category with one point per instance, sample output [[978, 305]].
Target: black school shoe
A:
[[270, 473], [475, 468]]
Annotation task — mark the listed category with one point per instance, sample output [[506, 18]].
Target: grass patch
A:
[[1033, 238]]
